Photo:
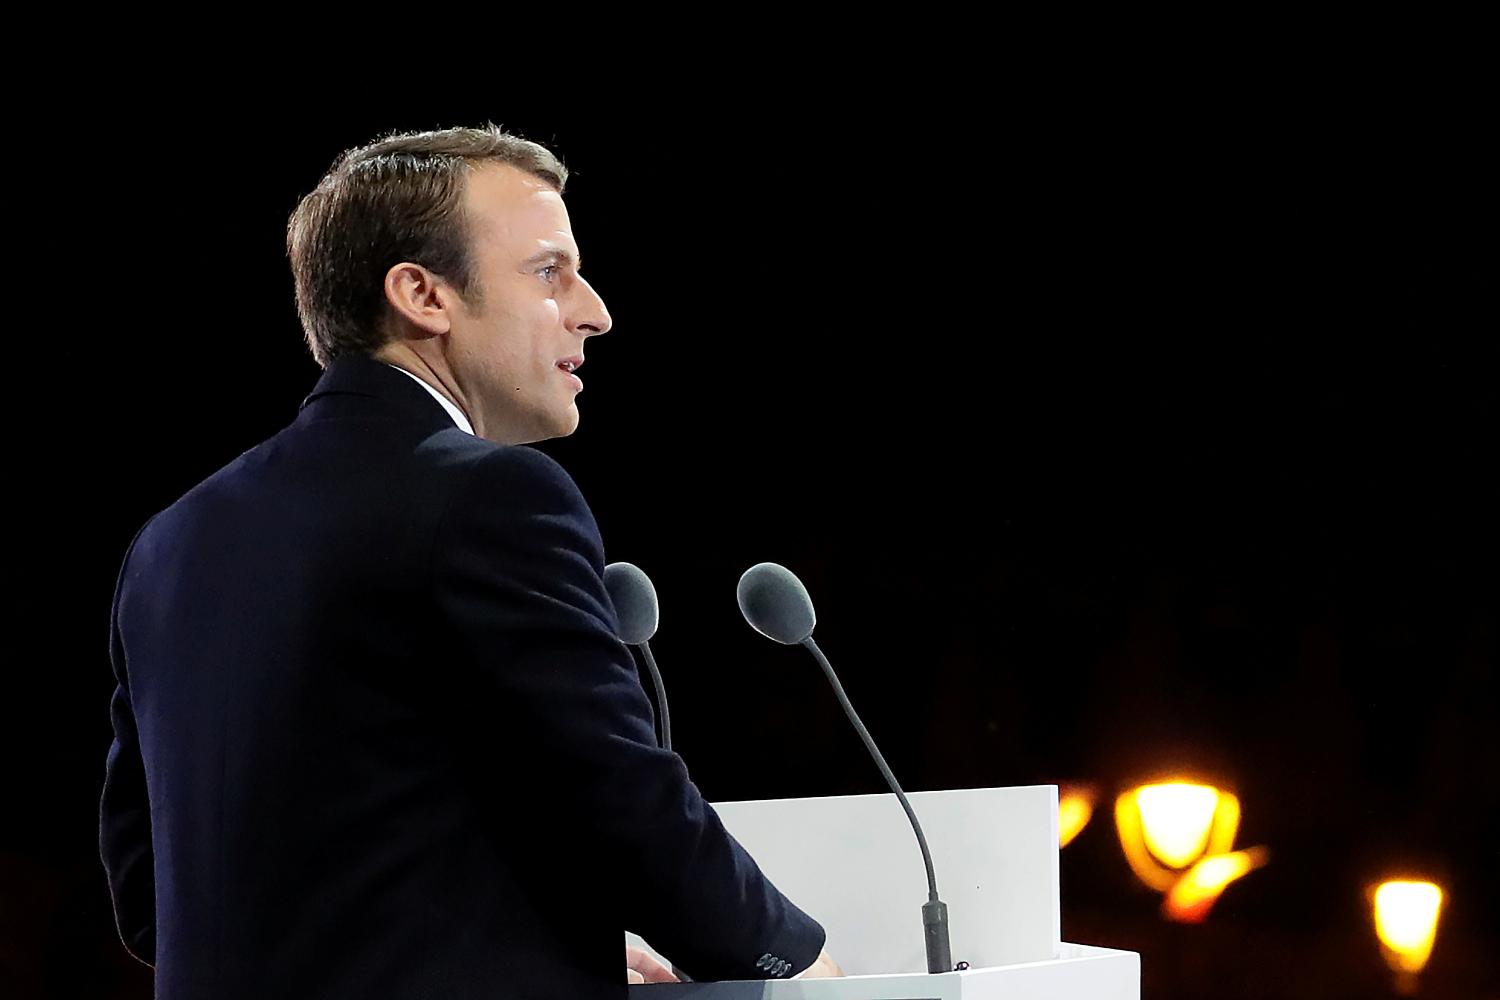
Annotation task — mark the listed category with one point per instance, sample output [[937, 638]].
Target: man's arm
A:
[[124, 815], [519, 582]]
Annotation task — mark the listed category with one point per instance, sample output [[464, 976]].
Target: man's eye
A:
[[550, 271]]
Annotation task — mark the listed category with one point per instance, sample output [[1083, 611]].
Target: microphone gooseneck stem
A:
[[934, 911], [661, 695], [666, 737]]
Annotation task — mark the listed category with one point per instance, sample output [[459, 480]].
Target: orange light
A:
[[1166, 828], [1075, 807], [1406, 919], [1176, 820], [1193, 895]]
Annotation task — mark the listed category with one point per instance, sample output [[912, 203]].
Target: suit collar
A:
[[361, 377]]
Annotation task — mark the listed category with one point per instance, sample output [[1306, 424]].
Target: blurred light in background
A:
[[1193, 895], [1176, 819], [1406, 919], [1075, 807], [1178, 837], [1166, 828]]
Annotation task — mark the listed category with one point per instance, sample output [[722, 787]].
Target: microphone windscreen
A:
[[776, 604], [634, 598]]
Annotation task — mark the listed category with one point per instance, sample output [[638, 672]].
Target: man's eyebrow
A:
[[554, 253]]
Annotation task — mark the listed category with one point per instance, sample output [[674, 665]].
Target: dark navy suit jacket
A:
[[376, 736]]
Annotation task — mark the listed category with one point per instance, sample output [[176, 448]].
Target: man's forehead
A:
[[523, 211], [488, 180]]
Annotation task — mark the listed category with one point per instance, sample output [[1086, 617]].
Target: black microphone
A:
[[634, 599], [777, 606]]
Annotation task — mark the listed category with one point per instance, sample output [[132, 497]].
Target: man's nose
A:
[[590, 317]]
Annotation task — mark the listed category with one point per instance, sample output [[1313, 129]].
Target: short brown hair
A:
[[397, 199]]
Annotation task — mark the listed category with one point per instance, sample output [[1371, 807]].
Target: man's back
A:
[[392, 745]]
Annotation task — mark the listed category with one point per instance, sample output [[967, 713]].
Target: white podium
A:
[[852, 862]]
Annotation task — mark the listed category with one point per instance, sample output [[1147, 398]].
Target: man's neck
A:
[[401, 357], [411, 365]]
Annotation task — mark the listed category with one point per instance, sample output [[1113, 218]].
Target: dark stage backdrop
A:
[[1108, 443]]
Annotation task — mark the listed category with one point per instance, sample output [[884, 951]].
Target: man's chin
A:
[[565, 425]]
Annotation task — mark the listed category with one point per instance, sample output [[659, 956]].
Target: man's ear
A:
[[421, 298]]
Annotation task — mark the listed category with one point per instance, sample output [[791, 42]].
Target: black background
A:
[[1126, 436]]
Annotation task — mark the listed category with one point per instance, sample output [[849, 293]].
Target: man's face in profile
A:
[[522, 326]]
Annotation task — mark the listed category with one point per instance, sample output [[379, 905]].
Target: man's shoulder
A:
[[323, 484], [517, 478]]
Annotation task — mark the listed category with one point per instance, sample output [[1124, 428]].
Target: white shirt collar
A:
[[453, 411]]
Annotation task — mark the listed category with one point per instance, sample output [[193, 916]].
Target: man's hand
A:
[[824, 968], [642, 968]]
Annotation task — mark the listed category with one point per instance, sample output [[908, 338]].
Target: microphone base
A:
[[935, 928]]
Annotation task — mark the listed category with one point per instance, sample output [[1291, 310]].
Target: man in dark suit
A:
[[375, 733]]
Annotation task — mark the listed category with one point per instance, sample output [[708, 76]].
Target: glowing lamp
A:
[[1193, 895], [1167, 828], [1406, 919], [1075, 807]]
